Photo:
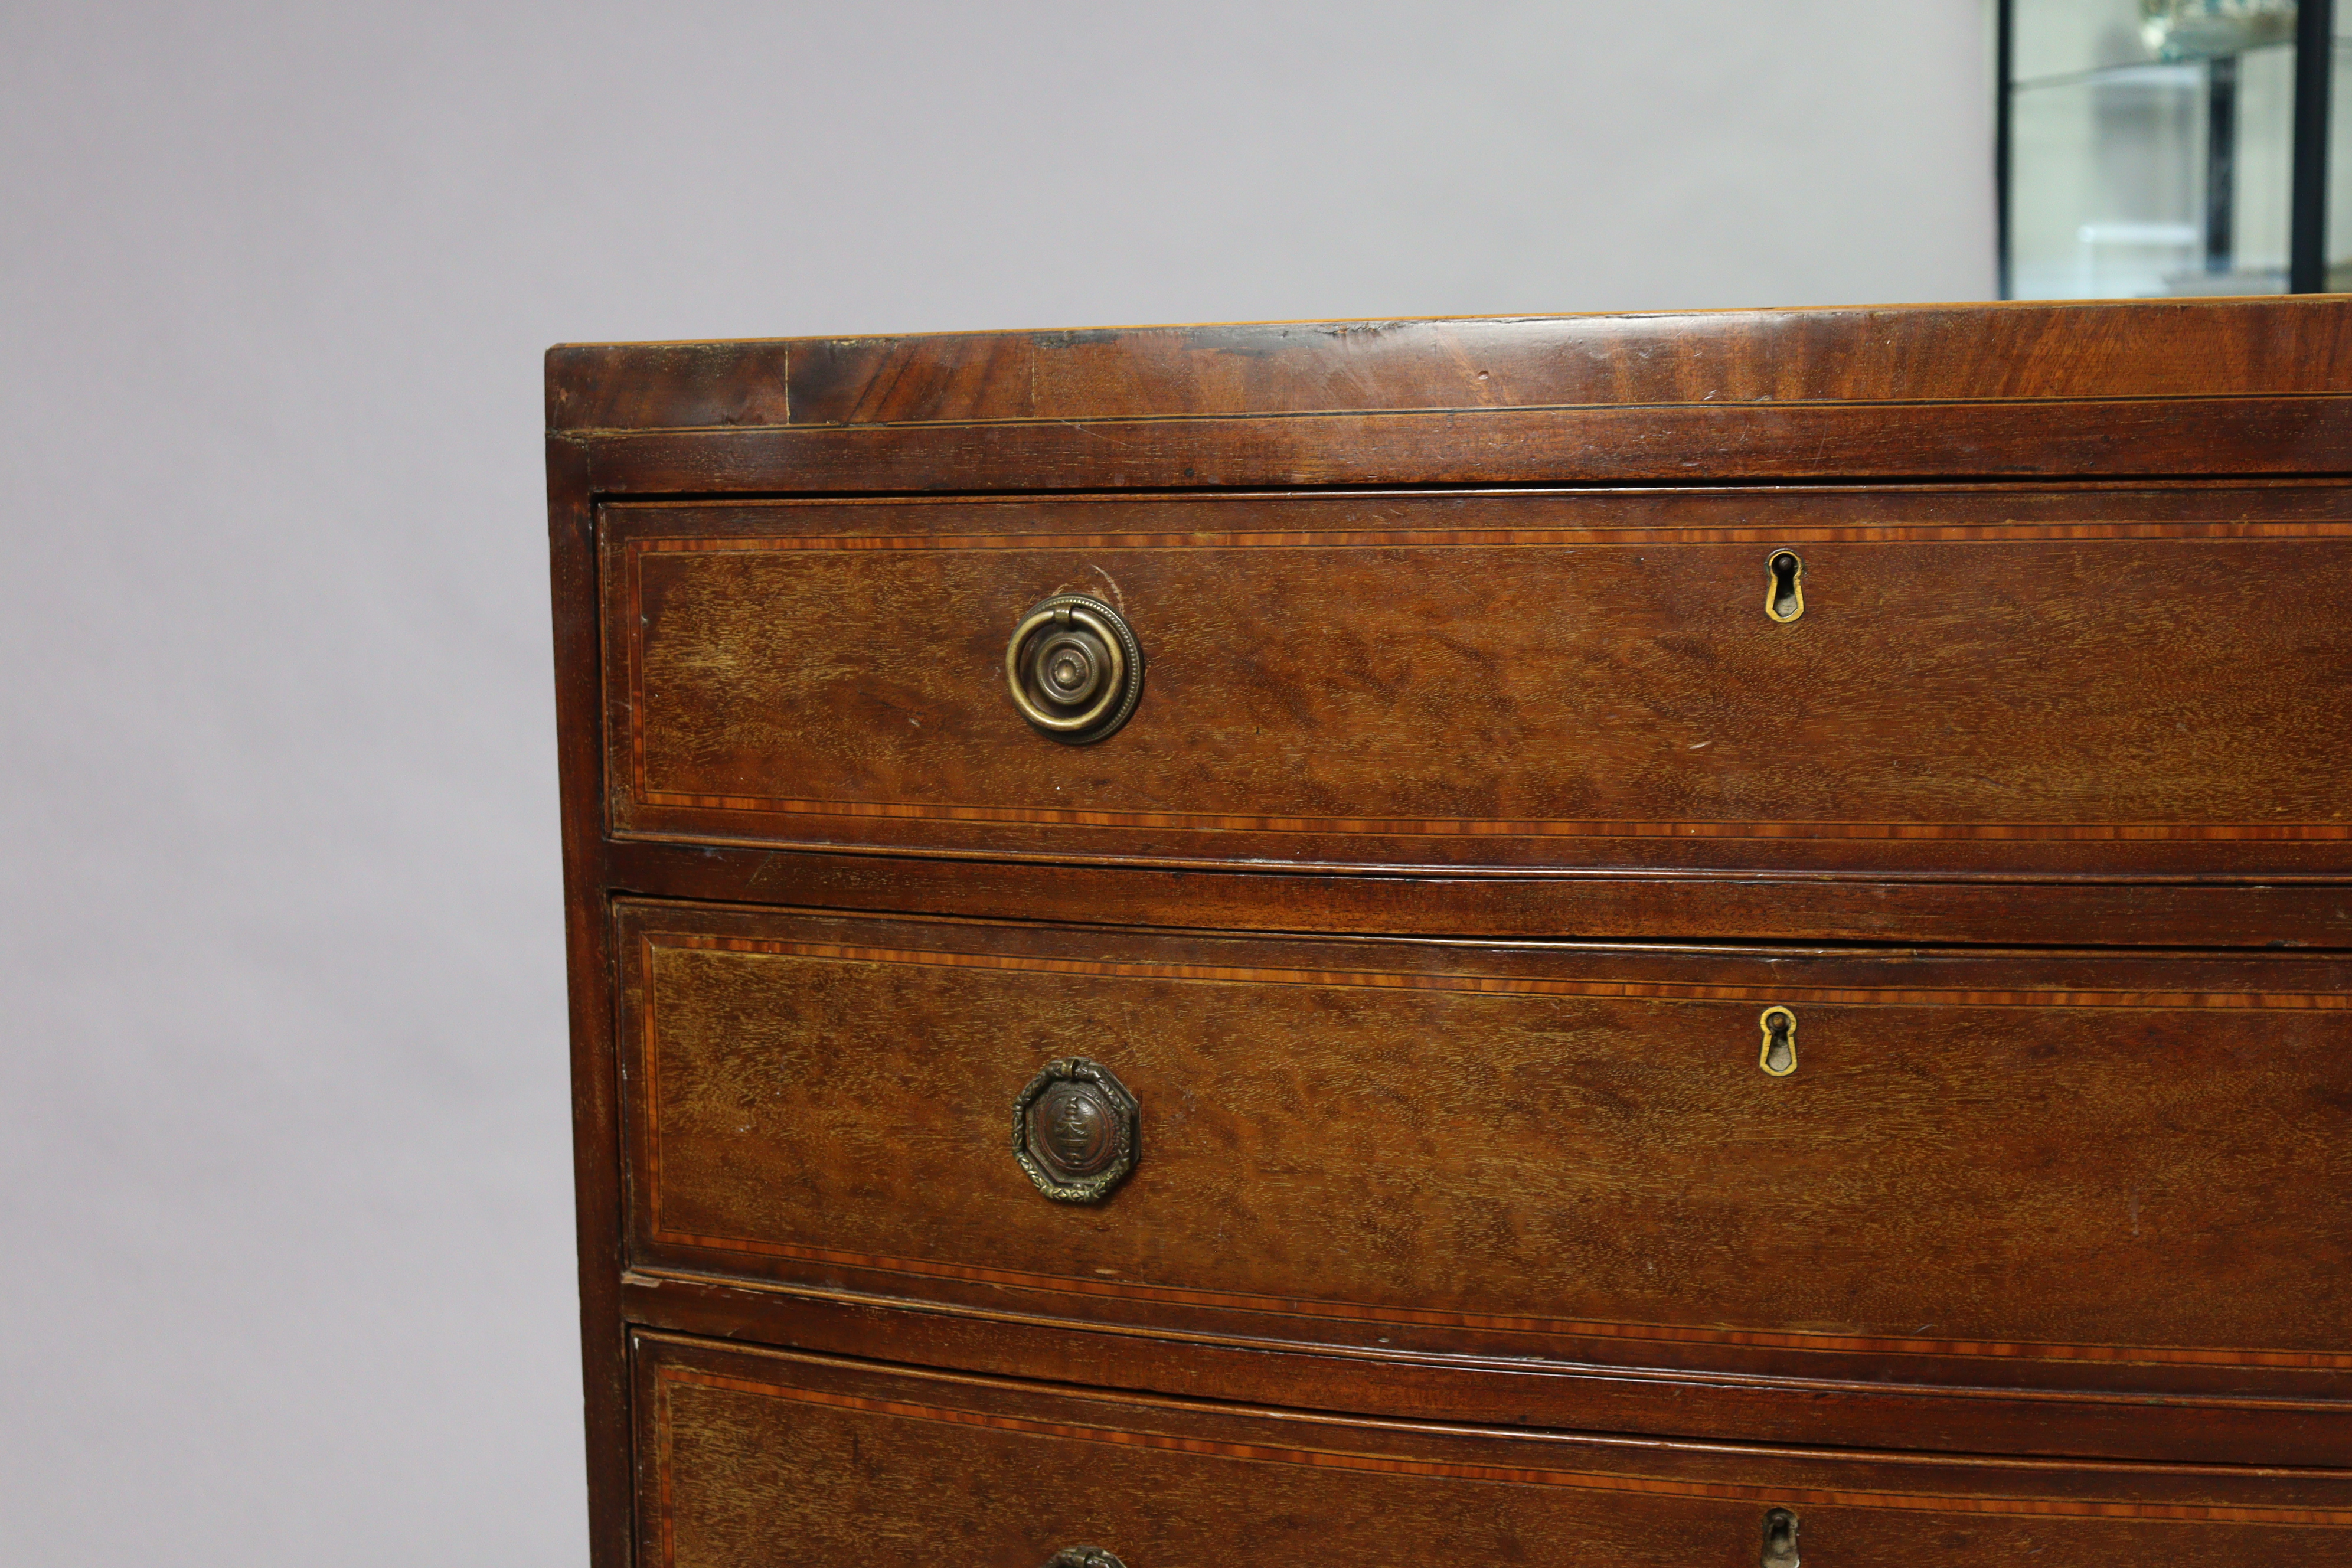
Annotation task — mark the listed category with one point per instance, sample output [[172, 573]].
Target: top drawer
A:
[[2087, 680]]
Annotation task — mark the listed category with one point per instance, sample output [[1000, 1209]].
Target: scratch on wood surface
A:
[[1111, 584]]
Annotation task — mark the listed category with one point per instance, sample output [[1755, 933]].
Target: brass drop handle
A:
[[1074, 1130], [1780, 1538], [1075, 669], [1083, 1557]]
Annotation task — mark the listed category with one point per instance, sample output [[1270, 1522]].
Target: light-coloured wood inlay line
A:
[[1538, 827], [641, 515], [1596, 535], [1508, 1475], [1467, 414], [655, 1274], [1511, 986], [651, 943]]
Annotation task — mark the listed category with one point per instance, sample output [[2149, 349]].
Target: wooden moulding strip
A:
[[671, 1377]]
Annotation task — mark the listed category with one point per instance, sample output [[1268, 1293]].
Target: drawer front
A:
[[2092, 679], [748, 1459], [2005, 1168]]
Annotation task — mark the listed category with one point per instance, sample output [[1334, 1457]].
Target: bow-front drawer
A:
[[2115, 1183], [755, 1460], [2089, 680]]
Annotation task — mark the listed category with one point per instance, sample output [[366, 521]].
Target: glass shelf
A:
[[2131, 175]]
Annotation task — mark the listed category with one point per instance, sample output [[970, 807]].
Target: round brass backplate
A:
[[1083, 1557], [1074, 667]]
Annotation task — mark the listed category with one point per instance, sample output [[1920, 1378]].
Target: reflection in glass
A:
[[2213, 29], [2150, 149]]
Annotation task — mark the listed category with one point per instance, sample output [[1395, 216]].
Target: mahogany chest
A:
[[1701, 941]]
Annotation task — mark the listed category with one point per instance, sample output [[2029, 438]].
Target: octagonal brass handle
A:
[[1074, 1130], [1075, 669]]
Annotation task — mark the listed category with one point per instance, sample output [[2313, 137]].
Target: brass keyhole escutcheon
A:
[[1073, 668], [1784, 592], [1780, 1538], [1074, 1130], [1778, 1055]]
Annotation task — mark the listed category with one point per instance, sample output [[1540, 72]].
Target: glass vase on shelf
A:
[[2213, 29], [2169, 147]]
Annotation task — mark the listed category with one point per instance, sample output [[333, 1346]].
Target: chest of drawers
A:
[[1693, 940]]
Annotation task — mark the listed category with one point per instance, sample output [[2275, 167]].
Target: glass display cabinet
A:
[[2167, 147]]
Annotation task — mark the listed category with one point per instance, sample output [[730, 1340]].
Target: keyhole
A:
[[1784, 597], [1780, 1538], [1780, 1053]]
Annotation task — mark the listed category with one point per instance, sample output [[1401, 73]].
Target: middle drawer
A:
[[2109, 1182]]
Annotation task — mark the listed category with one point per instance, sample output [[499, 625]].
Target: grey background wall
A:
[[284, 1148]]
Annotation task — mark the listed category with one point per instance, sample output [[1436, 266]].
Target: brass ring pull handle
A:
[[1075, 669], [1074, 1130], [1083, 1557]]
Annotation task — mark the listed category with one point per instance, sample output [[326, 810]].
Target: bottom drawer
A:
[[750, 1457]]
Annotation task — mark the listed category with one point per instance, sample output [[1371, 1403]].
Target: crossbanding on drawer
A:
[[750, 1459], [2120, 1159], [2093, 680]]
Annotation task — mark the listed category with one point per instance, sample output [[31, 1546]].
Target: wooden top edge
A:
[[1508, 317], [1124, 327], [2274, 344]]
